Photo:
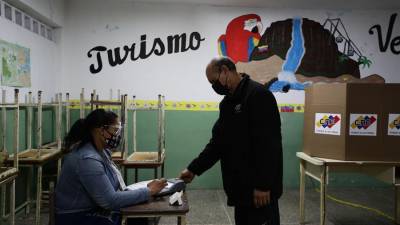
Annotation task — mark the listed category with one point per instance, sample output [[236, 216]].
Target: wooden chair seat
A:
[[143, 156], [6, 172], [31, 156], [144, 159]]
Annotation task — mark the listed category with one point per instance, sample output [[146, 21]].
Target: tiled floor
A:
[[208, 207]]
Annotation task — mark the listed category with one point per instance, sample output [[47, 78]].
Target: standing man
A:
[[247, 140]]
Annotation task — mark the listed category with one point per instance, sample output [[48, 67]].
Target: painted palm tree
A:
[[338, 30], [364, 61]]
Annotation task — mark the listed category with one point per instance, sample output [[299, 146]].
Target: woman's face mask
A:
[[114, 140]]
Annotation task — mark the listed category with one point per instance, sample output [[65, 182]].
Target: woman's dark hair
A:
[[80, 132]]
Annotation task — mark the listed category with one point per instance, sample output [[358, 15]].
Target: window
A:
[[49, 34], [27, 22], [42, 30], [18, 17], [35, 27], [8, 12]]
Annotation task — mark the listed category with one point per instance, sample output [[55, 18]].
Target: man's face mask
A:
[[219, 88], [115, 138]]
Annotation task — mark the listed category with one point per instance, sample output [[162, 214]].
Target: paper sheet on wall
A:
[[15, 65]]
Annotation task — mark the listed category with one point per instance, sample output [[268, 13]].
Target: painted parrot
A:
[[241, 36]]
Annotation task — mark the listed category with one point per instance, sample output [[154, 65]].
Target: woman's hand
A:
[[156, 186]]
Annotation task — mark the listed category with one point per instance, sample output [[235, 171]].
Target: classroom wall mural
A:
[[388, 40], [117, 56], [242, 35], [292, 54], [150, 49]]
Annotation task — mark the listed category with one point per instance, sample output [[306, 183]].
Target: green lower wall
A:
[[187, 132]]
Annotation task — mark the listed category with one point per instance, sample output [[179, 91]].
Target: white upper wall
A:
[[45, 57], [90, 23], [52, 9], [299, 4], [64, 65], [180, 76]]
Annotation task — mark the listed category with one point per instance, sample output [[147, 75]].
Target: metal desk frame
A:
[[319, 168], [12, 172], [9, 179], [155, 159], [44, 154]]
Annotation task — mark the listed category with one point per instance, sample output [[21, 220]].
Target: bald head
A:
[[217, 65], [221, 73]]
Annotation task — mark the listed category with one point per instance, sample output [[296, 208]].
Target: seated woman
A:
[[90, 189]]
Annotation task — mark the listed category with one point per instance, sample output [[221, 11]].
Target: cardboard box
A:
[[391, 120], [346, 121]]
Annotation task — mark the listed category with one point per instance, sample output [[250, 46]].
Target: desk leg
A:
[[12, 203], [125, 171], [181, 220], [123, 220], [38, 195], [136, 175], [3, 201], [397, 203], [323, 195], [302, 190], [58, 168], [156, 173], [162, 169], [28, 190]]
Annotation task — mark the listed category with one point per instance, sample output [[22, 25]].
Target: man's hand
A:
[[156, 186], [186, 176], [261, 198]]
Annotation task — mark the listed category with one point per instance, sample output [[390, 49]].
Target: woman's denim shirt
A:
[[88, 182]]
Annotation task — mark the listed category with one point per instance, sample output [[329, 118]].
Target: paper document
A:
[[143, 184], [173, 185]]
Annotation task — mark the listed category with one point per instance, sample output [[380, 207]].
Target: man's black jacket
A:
[[247, 140]]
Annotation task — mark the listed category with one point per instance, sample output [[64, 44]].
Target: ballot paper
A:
[[173, 185], [176, 198], [143, 184]]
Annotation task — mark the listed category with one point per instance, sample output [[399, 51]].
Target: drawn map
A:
[[15, 65]]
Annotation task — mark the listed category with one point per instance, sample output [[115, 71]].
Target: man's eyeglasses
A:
[[214, 81]]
